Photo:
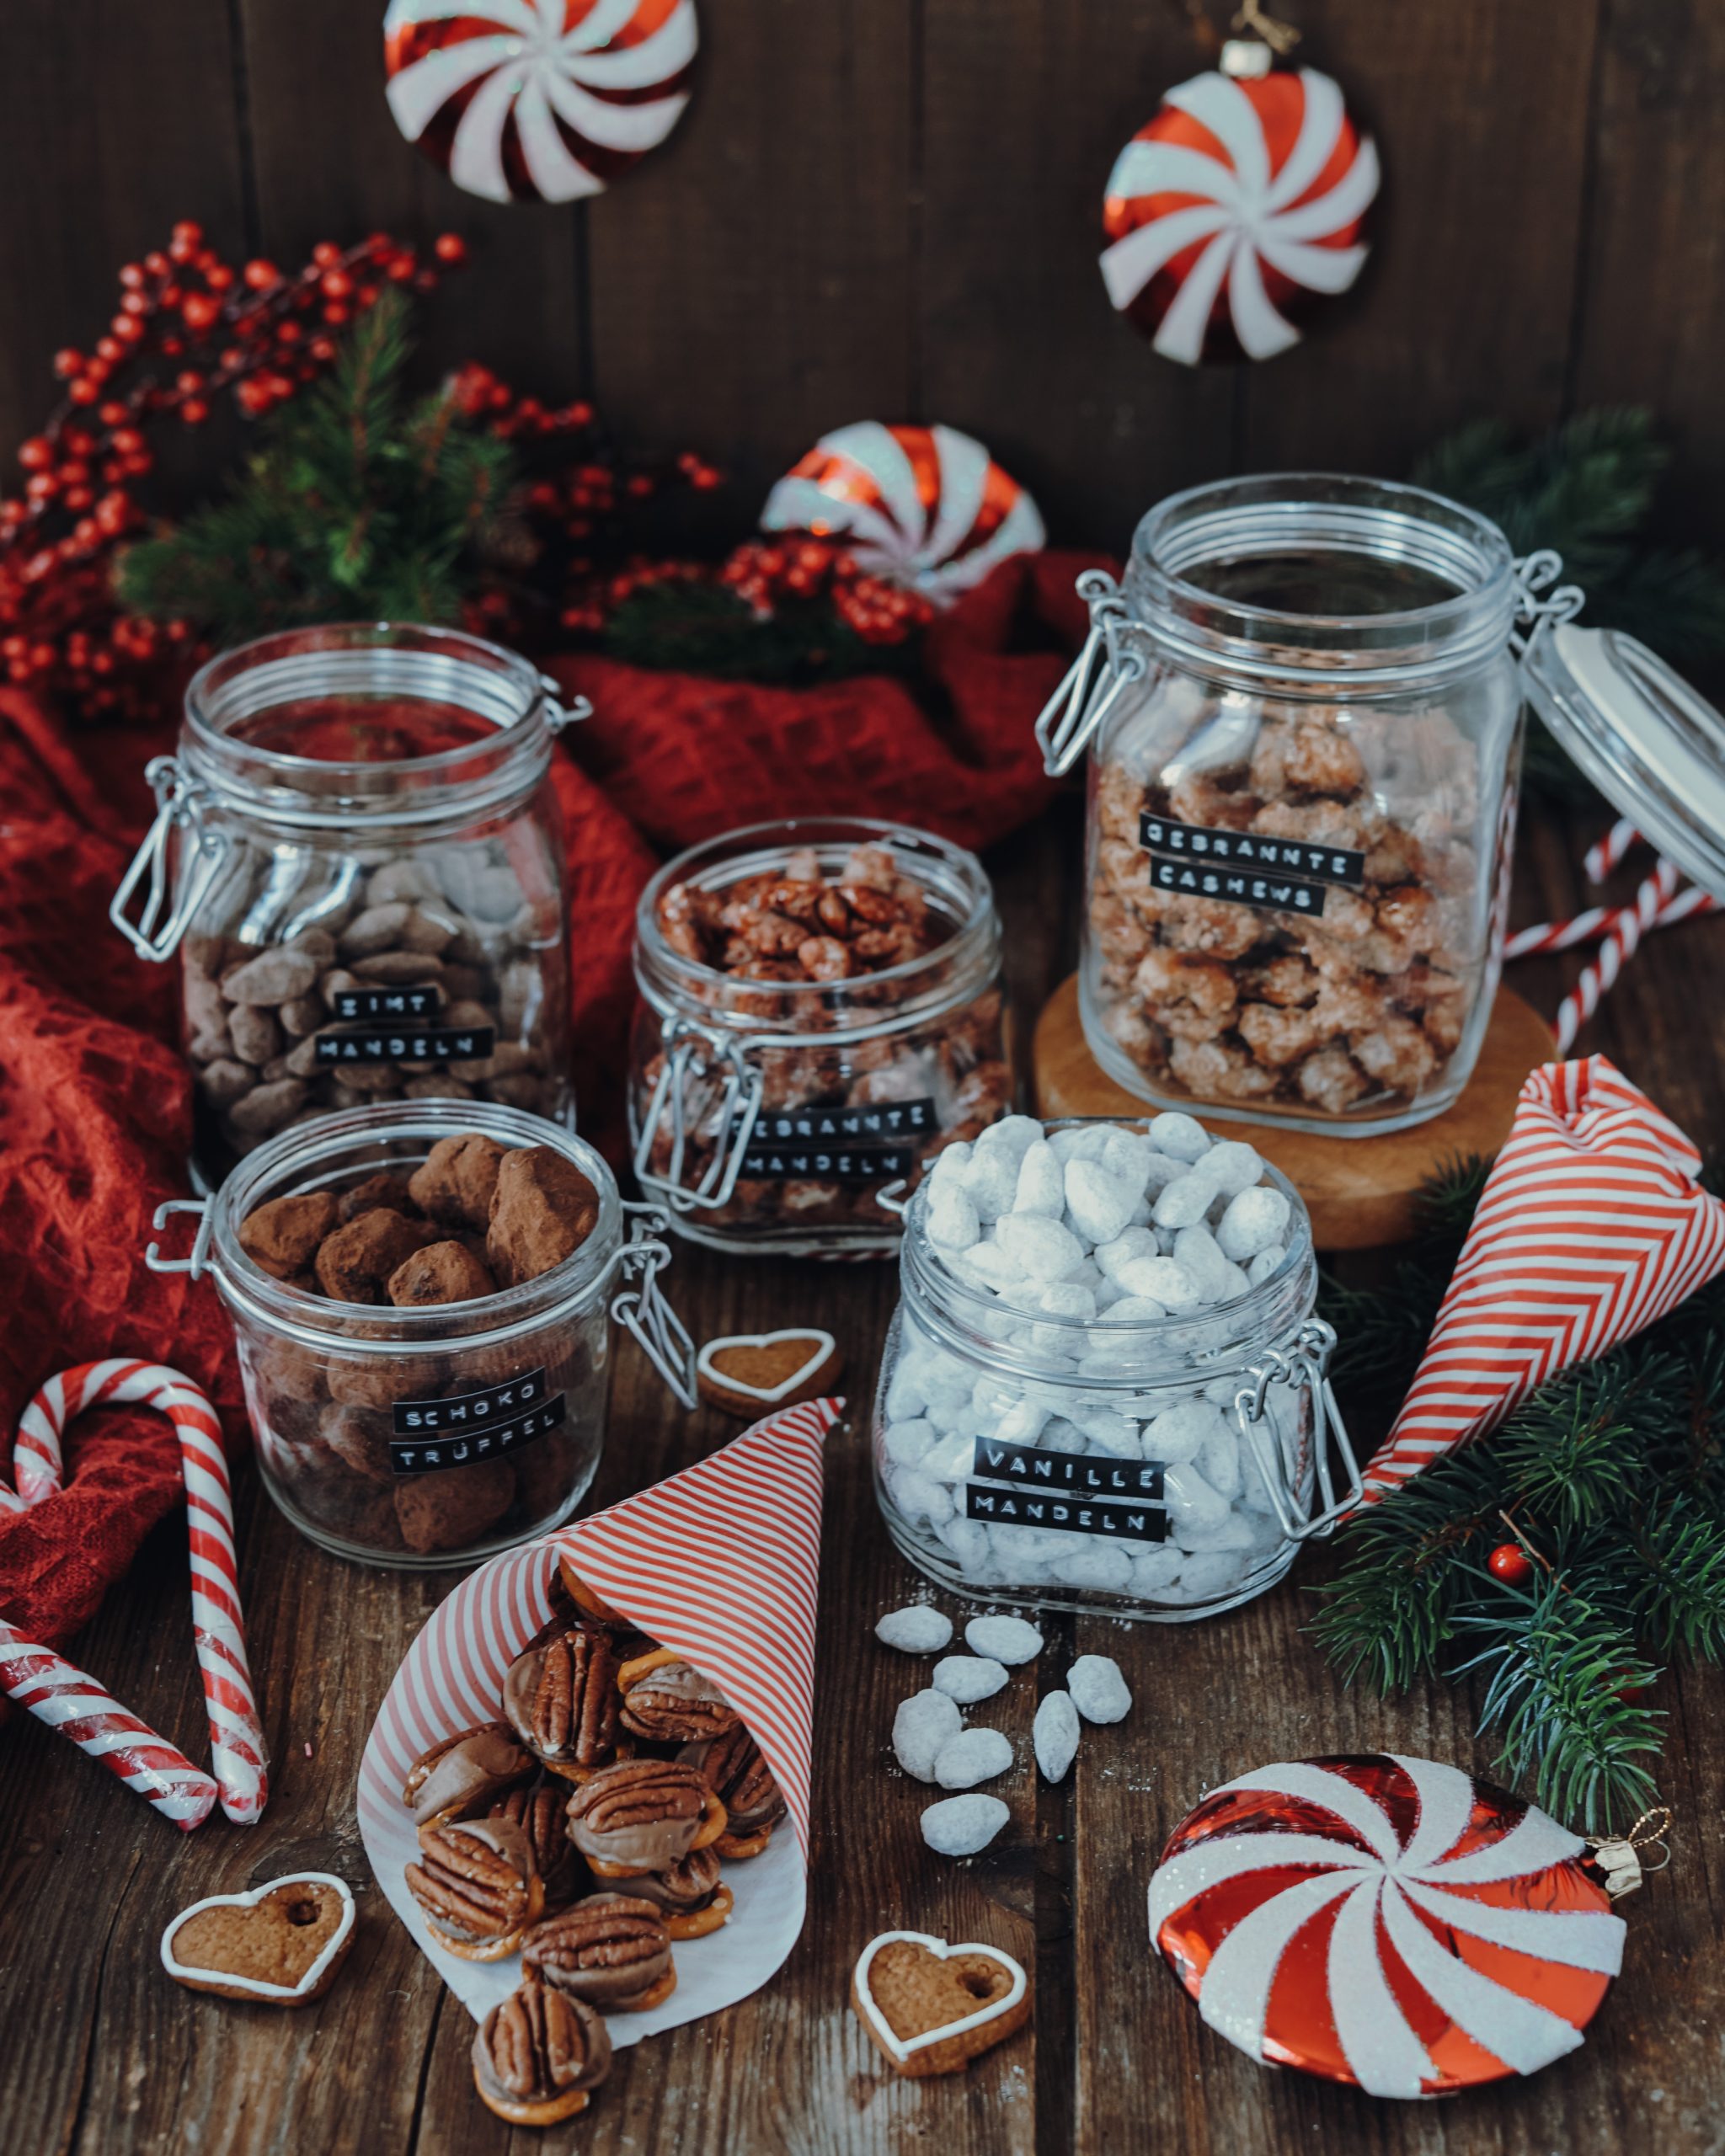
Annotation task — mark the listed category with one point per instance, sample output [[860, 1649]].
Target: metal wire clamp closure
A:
[[663, 1336], [1539, 607], [691, 1054], [1095, 680], [1305, 1365], [180, 806]]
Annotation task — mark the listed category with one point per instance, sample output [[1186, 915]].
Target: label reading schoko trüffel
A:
[[432, 1434]]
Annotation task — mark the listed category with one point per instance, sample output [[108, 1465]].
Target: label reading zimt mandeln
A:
[[434, 1434]]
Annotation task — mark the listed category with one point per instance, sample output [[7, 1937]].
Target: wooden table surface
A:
[[102, 2054]]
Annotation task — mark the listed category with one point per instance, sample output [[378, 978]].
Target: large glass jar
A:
[[768, 1109], [357, 856], [1163, 1468], [435, 1435], [1304, 716]]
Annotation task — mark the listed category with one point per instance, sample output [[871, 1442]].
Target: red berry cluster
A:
[[766, 572], [190, 327]]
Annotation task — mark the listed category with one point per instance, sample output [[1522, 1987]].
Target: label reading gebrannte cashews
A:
[[408, 1044], [455, 1432], [1117, 1521], [1249, 868]]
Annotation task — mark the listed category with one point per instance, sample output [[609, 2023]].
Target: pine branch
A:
[[1568, 1452]]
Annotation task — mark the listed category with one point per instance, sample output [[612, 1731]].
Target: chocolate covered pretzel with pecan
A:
[[537, 2055], [668, 1700], [478, 1885], [462, 1776], [643, 1815], [731, 1764], [610, 1950], [561, 1700]]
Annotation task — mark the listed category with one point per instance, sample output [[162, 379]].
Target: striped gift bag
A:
[[1591, 1225], [721, 1562]]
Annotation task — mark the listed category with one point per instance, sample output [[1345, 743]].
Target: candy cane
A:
[[72, 1700], [1618, 945], [1597, 921], [1604, 855]]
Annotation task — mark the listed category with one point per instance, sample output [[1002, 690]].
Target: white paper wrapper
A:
[[721, 1562]]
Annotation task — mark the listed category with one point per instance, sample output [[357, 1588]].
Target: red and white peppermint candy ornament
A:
[[1239, 204], [537, 100], [927, 507], [1385, 1921]]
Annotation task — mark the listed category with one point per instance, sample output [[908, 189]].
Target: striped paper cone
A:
[[723, 1561], [1591, 1225]]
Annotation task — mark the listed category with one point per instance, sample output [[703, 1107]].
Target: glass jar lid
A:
[[1651, 743]]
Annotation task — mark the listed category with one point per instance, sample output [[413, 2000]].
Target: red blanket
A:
[[94, 1100]]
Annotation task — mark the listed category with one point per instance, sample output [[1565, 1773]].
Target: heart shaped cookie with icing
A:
[[750, 1374], [279, 1945], [932, 2007]]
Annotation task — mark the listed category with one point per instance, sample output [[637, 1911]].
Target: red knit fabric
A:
[[95, 1108]]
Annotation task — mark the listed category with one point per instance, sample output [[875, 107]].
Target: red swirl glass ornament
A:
[[1385, 1921]]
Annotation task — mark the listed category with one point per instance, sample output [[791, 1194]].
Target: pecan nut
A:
[[675, 1703], [609, 1950], [538, 1811], [732, 1765], [682, 1888], [642, 1815], [464, 1774], [561, 1698], [537, 2055], [477, 1884]]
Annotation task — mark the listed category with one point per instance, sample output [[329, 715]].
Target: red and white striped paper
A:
[[1591, 1225], [721, 1562]]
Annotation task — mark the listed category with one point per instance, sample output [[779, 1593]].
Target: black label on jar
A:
[[871, 1143], [1092, 1474], [408, 1044], [433, 1435], [1249, 854], [1116, 1522], [828, 1164], [1238, 886], [425, 999]]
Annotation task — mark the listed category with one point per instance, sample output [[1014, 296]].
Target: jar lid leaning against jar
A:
[[423, 1341], [1104, 1387], [1304, 714], [821, 1010]]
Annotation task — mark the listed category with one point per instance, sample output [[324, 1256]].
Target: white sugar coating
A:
[[1113, 1434], [1235, 1283], [1199, 1251], [1153, 1568], [1254, 1220], [960, 1826], [1112, 1257], [1053, 1735], [1012, 1134], [1233, 1166], [1032, 1544], [1180, 1432], [968, 1678], [1022, 1422], [1059, 1435], [1010, 1640], [1128, 1156], [1163, 1171], [950, 1461], [948, 1163], [1066, 1299], [1099, 1691], [1184, 1136], [991, 1180], [1099, 1201], [905, 1398], [1211, 1574], [973, 1756], [1219, 1463], [1036, 1246], [1191, 1503], [1041, 1187], [967, 1540], [953, 1220], [1264, 1263], [1084, 1143], [990, 1264], [906, 1444], [918, 1497], [1097, 1564], [924, 1725], [915, 1630], [1134, 1310], [1164, 1280], [1231, 1532], [1185, 1201]]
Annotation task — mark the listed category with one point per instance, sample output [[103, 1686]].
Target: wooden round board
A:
[[1360, 1191]]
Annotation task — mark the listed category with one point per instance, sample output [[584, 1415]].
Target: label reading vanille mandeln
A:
[[466, 1426]]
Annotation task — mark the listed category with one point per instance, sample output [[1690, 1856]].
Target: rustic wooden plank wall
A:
[[889, 208]]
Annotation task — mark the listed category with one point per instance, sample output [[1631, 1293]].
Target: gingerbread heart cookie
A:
[[933, 2008], [279, 1945], [749, 1373]]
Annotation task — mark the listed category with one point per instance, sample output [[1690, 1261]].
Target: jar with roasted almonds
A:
[[357, 858], [421, 1293], [1304, 714], [821, 1011]]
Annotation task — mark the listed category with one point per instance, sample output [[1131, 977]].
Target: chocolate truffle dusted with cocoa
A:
[[538, 1811], [465, 1773], [610, 1950], [282, 1237], [390, 1192], [354, 1263], [691, 1896], [477, 1883], [441, 1272], [561, 1698], [668, 1700], [543, 1210], [537, 2055], [731, 1764], [643, 1815], [458, 1180]]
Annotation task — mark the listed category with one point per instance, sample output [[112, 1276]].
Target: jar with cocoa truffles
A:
[[821, 1011], [357, 858], [1304, 715], [422, 1294]]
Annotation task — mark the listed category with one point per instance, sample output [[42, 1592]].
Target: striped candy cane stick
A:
[[1597, 921], [1618, 945], [218, 1626], [76, 1705], [1604, 855]]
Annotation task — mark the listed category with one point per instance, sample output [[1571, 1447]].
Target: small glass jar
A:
[[766, 1114], [428, 1437], [1304, 712], [358, 855], [1014, 1457]]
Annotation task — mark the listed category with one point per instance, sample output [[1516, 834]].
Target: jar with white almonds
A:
[[1105, 1387]]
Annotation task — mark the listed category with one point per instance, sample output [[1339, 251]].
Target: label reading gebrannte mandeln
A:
[[1089, 1474], [434, 1434], [870, 1143], [1118, 1521], [425, 999], [406, 1044], [1249, 868]]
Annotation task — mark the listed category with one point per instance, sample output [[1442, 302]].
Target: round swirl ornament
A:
[[1236, 211], [925, 507], [537, 100], [1385, 1921]]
